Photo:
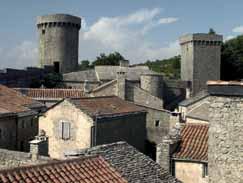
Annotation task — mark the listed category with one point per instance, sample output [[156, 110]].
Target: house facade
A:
[[86, 122], [18, 119]]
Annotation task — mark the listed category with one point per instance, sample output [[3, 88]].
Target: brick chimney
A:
[[225, 145]]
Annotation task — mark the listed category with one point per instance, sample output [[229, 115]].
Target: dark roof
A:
[[105, 106], [129, 162], [46, 93], [12, 101], [83, 170], [199, 96], [194, 143]]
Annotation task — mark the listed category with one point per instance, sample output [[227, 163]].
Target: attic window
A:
[[157, 122]]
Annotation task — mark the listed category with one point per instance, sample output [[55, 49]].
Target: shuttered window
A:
[[64, 130]]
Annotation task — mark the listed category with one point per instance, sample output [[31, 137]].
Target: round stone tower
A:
[[153, 83], [58, 41]]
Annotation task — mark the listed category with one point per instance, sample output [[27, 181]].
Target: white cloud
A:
[[23, 55], [127, 35], [168, 20], [229, 37], [238, 29]]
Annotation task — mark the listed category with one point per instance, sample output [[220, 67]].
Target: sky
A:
[[140, 30]]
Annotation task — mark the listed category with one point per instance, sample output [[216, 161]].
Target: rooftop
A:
[[105, 106], [129, 162], [225, 88], [194, 143], [88, 169], [12, 101], [46, 93]]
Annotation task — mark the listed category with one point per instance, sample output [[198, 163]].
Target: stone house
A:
[[50, 96], [186, 155], [86, 122], [225, 145], [18, 119]]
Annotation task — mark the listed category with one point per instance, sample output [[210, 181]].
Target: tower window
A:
[[43, 31], [157, 122]]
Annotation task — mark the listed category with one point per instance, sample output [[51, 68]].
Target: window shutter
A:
[[60, 127], [66, 130]]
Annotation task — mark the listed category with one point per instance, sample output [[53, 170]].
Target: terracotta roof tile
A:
[[89, 169], [194, 144], [103, 106], [57, 93], [12, 101]]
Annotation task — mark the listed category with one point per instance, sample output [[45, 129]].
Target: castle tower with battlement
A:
[[200, 59], [58, 41]]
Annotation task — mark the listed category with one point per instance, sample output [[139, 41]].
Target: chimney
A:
[[121, 83], [225, 144], [38, 146], [167, 147]]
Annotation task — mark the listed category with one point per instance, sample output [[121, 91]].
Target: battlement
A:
[[58, 20], [202, 38]]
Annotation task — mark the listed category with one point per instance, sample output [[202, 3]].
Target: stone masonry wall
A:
[[225, 155]]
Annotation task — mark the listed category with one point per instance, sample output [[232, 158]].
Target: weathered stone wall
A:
[[158, 124], [130, 128], [80, 130], [59, 40], [8, 134], [153, 83], [27, 130], [225, 154], [142, 97], [190, 172]]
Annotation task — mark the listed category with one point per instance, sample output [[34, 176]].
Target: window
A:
[[43, 31], [157, 122], [32, 122], [22, 124], [1, 134], [64, 130], [205, 170]]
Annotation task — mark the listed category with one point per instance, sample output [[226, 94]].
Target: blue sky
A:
[[138, 29]]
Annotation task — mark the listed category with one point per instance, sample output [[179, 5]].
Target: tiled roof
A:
[[44, 93], [133, 165], [194, 143], [83, 170], [105, 106], [12, 101]]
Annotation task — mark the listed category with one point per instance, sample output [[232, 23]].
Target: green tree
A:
[[111, 59], [84, 65], [211, 31], [53, 80], [232, 59]]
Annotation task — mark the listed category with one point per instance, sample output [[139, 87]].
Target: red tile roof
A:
[[194, 144], [81, 170], [12, 101], [57, 93], [108, 105]]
